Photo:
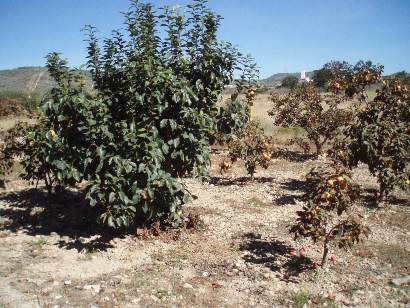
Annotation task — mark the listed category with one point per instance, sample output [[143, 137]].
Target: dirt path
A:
[[54, 255]]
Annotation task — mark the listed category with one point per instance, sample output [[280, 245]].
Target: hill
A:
[[276, 79], [26, 79], [29, 80]]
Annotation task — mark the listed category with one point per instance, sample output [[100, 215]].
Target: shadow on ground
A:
[[275, 255], [295, 156], [368, 199], [294, 186], [240, 181], [68, 215]]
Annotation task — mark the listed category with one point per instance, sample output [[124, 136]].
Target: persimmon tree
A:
[[148, 119], [329, 215], [324, 115], [379, 136], [252, 146], [321, 116]]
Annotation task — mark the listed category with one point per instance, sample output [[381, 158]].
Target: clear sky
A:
[[283, 36]]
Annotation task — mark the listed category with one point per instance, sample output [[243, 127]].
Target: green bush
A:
[[148, 120], [290, 82]]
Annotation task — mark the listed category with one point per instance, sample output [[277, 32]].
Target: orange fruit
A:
[[330, 182], [52, 133]]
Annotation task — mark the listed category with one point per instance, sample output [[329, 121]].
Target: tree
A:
[[328, 215], [320, 116], [148, 119], [379, 137], [403, 76], [290, 82], [252, 146], [353, 80], [322, 77]]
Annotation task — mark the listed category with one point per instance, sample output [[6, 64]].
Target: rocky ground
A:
[[53, 255]]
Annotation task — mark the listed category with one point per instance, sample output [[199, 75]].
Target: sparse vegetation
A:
[[100, 179], [30, 101]]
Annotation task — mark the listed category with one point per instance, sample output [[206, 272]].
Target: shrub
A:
[[252, 146], [237, 112], [353, 80], [290, 82], [328, 216], [322, 77], [379, 136], [148, 120], [320, 116], [230, 119]]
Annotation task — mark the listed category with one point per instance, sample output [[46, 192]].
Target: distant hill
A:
[[30, 80], [26, 79], [276, 79], [37, 79]]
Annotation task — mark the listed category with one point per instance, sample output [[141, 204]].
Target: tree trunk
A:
[[48, 186], [325, 252], [382, 194], [319, 147]]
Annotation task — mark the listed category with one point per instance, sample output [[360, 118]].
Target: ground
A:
[[52, 254]]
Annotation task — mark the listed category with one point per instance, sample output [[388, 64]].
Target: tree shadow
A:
[[240, 181], [368, 200], [397, 200], [286, 199], [291, 185], [66, 214], [275, 255], [295, 156]]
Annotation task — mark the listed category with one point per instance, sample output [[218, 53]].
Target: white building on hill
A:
[[303, 76]]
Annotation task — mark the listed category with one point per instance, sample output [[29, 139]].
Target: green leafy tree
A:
[[290, 82], [322, 77], [148, 119]]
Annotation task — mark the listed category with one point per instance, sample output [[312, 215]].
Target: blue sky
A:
[[283, 36]]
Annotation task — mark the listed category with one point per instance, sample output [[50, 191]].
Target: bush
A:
[[252, 146], [149, 118], [236, 114], [231, 118], [321, 117], [379, 136], [328, 216], [290, 82], [322, 77]]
